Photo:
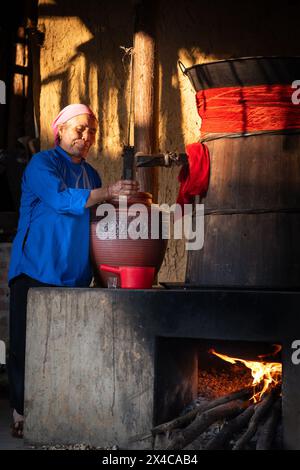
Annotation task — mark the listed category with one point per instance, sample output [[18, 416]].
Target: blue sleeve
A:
[[43, 179], [97, 182]]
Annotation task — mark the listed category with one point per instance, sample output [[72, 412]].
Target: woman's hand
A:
[[122, 188]]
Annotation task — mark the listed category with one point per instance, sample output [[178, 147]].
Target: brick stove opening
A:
[[188, 375]]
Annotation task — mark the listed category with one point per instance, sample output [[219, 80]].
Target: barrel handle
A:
[[182, 67]]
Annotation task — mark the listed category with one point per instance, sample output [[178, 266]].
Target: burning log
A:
[[268, 431], [234, 426], [261, 409], [204, 420], [186, 419]]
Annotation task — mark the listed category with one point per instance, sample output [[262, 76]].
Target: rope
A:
[[128, 52], [272, 210], [210, 137]]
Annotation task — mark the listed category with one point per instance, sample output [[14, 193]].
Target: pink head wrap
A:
[[67, 113]]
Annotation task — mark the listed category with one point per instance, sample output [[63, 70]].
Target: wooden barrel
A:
[[252, 207]]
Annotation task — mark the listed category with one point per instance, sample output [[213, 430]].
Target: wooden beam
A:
[[143, 78]]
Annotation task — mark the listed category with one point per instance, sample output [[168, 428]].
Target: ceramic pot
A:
[[122, 234]]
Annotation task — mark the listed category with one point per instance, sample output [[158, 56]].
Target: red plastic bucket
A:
[[132, 277]]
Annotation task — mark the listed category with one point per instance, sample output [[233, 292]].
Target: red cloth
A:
[[194, 177], [247, 109]]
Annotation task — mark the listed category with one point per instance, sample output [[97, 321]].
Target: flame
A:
[[268, 374]]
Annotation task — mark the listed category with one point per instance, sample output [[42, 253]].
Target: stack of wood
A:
[[239, 420]]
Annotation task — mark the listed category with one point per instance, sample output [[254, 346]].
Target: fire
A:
[[267, 374]]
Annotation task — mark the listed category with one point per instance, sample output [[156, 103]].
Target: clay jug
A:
[[114, 230]]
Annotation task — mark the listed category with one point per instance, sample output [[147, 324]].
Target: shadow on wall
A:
[[100, 68]]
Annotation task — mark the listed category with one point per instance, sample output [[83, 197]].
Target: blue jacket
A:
[[52, 241]]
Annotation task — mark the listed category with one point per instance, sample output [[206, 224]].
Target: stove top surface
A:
[[187, 286]]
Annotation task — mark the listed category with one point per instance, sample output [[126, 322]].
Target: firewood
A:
[[161, 441], [268, 430], [260, 411], [232, 427], [186, 419], [180, 421], [203, 421]]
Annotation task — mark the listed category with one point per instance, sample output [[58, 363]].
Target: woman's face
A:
[[77, 136]]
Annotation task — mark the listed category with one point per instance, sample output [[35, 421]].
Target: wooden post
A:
[[143, 78]]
